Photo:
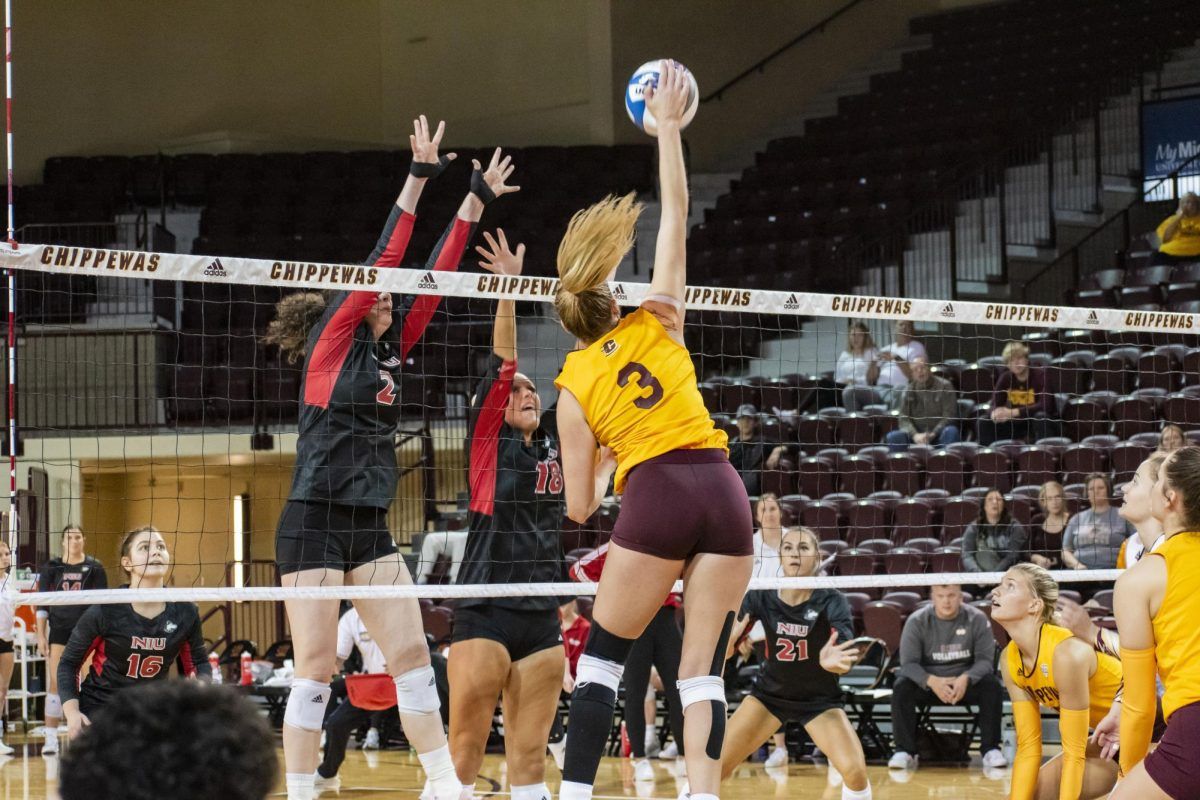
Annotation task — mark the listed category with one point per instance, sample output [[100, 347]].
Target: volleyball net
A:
[[146, 396]]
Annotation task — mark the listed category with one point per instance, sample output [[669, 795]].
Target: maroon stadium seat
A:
[[946, 559], [1036, 465], [956, 516], [913, 519], [1112, 373], [993, 469], [814, 432], [816, 477], [884, 621], [868, 519], [824, 519], [907, 601], [855, 431], [1085, 418], [856, 562], [904, 473], [1133, 415], [945, 470], [1161, 370], [860, 476], [1183, 410], [1080, 460]]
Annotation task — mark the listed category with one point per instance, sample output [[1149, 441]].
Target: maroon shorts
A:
[[1173, 764], [683, 503]]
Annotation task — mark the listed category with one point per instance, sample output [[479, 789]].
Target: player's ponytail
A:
[[1182, 472], [596, 240], [295, 316]]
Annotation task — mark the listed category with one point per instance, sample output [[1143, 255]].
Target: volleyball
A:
[[635, 96]]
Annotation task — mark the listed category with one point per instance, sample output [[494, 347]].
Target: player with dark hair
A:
[[799, 680], [130, 643], [334, 529], [629, 405], [508, 648], [73, 571], [172, 739]]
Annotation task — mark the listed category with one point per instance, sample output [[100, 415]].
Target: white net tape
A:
[[219, 594]]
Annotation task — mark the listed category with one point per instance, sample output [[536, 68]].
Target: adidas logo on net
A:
[[1093, 318], [215, 270], [427, 282], [947, 311], [791, 304]]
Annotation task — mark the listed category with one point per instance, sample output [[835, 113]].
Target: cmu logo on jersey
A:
[[609, 347], [147, 643]]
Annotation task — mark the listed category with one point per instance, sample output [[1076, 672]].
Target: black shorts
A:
[[321, 535], [708, 511], [5, 647], [801, 712], [60, 634], [522, 633]]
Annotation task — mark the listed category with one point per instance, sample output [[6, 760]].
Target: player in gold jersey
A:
[[1045, 665], [1157, 606], [629, 404]]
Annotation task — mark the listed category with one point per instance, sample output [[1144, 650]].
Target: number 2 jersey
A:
[[350, 397], [58, 576], [127, 648], [516, 494], [637, 387], [795, 636]]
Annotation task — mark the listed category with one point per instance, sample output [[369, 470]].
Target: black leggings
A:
[[660, 645]]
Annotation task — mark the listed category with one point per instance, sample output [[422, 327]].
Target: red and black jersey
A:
[[58, 576], [515, 529], [350, 404], [795, 636], [127, 648]]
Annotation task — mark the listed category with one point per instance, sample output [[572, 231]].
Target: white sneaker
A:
[[323, 784], [669, 752], [5, 750], [681, 765], [652, 747], [50, 748], [371, 742], [642, 771], [995, 759], [902, 760], [778, 758]]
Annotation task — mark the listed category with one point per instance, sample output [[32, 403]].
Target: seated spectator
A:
[[748, 453], [771, 518], [172, 739], [1021, 406], [895, 364], [452, 544], [927, 408], [1095, 535], [1045, 541], [1171, 438], [995, 541], [858, 369], [946, 657], [1179, 234]]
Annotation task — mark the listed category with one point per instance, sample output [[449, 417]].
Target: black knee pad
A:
[[602, 644], [594, 693]]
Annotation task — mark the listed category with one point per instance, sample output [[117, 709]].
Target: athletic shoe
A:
[[778, 758], [323, 784], [995, 759], [681, 765], [371, 742], [50, 748], [652, 747], [902, 760], [669, 752], [559, 751], [642, 771], [5, 750]]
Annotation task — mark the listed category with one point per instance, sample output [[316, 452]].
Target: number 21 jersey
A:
[[795, 636], [637, 387]]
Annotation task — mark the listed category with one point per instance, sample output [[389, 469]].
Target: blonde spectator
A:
[[1045, 541]]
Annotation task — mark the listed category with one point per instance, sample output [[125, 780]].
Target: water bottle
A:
[[247, 673], [214, 664]]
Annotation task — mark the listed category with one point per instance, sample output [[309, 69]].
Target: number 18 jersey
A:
[[637, 388]]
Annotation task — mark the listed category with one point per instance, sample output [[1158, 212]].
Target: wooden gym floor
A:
[[395, 773]]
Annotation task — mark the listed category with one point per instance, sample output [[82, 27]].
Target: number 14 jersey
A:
[[637, 387]]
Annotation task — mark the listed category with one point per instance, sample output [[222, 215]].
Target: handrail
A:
[[762, 62], [1141, 196]]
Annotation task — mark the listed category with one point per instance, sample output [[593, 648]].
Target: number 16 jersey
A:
[[637, 387]]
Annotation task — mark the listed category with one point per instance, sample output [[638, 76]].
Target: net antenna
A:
[[10, 278]]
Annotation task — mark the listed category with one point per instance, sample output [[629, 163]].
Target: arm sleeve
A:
[[487, 419], [969, 547], [88, 633], [1027, 719], [910, 652], [445, 258], [1073, 728], [840, 619], [196, 655], [1138, 705], [983, 648], [1017, 542]]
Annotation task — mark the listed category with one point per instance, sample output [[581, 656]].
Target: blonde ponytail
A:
[[596, 240]]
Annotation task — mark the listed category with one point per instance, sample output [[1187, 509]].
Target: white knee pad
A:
[[53, 706], [592, 669], [306, 704], [697, 690], [416, 692]]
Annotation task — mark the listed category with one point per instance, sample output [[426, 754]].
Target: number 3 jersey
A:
[[127, 648], [795, 636], [637, 387], [516, 494]]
